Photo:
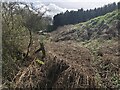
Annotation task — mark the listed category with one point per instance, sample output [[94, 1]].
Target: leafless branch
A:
[[30, 32]]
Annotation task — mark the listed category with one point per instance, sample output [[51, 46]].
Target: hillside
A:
[[77, 56], [81, 15], [66, 66], [103, 27], [85, 55]]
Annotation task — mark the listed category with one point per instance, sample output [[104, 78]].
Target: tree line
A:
[[74, 17]]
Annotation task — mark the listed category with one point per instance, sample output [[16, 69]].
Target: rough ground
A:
[[70, 64], [67, 65]]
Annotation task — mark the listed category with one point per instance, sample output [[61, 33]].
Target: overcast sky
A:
[[72, 4], [57, 6], [76, 4]]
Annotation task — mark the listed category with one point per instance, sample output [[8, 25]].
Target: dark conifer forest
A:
[[74, 17]]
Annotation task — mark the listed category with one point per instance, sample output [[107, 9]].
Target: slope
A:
[[104, 27], [90, 63]]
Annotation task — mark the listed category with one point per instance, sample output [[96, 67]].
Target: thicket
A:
[[20, 23]]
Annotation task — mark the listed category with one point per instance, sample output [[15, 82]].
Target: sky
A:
[[76, 4], [57, 6]]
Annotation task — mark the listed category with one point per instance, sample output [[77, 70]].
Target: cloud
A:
[[52, 9], [78, 0], [58, 6], [55, 9], [63, 0]]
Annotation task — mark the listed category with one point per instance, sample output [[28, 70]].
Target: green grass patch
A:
[[98, 21]]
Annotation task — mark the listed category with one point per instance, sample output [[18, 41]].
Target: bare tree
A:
[[34, 17]]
